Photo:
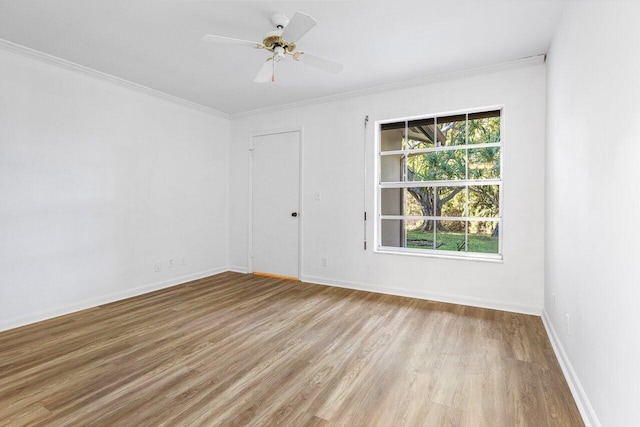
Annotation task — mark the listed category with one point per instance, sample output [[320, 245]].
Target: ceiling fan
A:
[[282, 42]]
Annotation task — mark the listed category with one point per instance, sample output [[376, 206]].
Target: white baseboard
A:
[[412, 293], [582, 401], [434, 296], [105, 299]]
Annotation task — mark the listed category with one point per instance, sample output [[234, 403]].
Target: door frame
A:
[[252, 136]]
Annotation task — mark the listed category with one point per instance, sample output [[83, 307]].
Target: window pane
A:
[[420, 234], [451, 130], [484, 201], [391, 136], [484, 127], [484, 163], [419, 201], [403, 201], [397, 233], [392, 168], [483, 237], [451, 201], [420, 134], [437, 166], [416, 201], [392, 233], [450, 236], [391, 201]]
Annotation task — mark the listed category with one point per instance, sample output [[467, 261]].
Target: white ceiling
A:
[[158, 43]]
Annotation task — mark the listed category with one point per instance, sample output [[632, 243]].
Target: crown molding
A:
[[63, 63], [422, 81]]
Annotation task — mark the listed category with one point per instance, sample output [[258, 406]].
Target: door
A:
[[275, 200]]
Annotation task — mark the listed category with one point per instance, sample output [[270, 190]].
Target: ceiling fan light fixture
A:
[[278, 53]]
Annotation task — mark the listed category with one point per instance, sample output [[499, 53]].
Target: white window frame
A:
[[436, 253]]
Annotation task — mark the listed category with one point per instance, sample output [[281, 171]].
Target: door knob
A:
[[294, 214]]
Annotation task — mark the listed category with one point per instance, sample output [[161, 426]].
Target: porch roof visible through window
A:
[[423, 130]]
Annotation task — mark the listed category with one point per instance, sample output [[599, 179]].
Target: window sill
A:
[[492, 258]]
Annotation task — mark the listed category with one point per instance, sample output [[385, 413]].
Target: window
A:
[[439, 186]]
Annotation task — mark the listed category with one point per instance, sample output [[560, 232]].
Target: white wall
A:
[[592, 206], [333, 165], [98, 182]]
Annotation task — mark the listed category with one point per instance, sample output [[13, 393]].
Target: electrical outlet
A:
[[325, 261], [182, 260], [157, 267], [171, 263], [568, 323]]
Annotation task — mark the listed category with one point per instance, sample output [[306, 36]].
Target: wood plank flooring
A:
[[238, 349]]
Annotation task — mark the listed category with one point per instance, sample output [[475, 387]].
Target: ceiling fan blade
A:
[[231, 41], [299, 25], [266, 73], [319, 62]]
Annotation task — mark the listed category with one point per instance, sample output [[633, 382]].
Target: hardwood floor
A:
[[238, 349]]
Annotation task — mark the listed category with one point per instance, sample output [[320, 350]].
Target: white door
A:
[[275, 196]]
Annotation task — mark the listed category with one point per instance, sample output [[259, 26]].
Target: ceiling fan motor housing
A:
[[274, 39]]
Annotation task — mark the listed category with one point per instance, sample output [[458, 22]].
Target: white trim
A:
[[589, 416], [504, 114], [72, 66], [437, 253], [301, 210], [441, 218], [105, 299], [442, 148], [252, 136], [433, 296], [227, 195], [250, 204], [275, 131], [441, 183], [503, 66]]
